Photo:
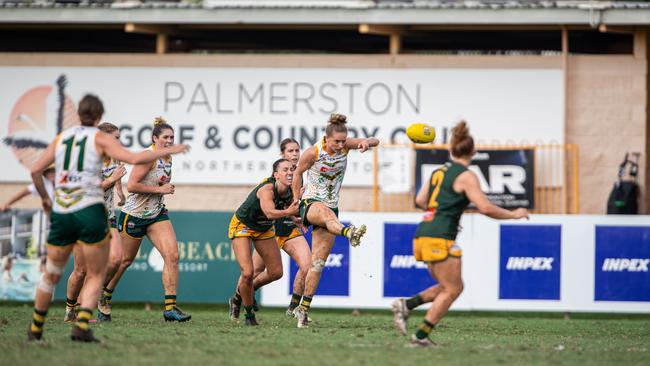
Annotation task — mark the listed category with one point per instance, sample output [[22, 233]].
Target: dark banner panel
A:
[[507, 176]]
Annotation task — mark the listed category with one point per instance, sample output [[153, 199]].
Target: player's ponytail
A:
[[159, 125], [336, 123], [462, 143]]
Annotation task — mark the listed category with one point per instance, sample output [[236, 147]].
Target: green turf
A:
[[335, 338]]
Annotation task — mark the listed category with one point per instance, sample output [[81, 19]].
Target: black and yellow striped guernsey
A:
[[250, 212], [445, 206]]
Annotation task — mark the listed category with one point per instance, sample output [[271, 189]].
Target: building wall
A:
[[606, 117], [606, 110]]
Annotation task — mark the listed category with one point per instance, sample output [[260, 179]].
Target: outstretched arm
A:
[[15, 198], [468, 183], [109, 146], [361, 144]]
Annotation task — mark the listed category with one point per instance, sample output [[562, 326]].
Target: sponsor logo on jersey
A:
[[530, 263]]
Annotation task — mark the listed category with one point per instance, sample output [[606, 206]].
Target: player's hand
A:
[[167, 188], [118, 173], [363, 146], [4, 207], [292, 210], [302, 191], [47, 205], [180, 148], [521, 213]]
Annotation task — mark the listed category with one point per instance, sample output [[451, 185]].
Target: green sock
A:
[[295, 301], [414, 302], [424, 329], [249, 312]]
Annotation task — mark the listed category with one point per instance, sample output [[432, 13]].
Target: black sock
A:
[[345, 231], [414, 302], [249, 312], [295, 301]]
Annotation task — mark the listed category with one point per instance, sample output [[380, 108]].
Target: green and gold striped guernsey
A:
[[78, 166], [445, 206], [325, 176], [250, 212], [109, 166], [149, 205]]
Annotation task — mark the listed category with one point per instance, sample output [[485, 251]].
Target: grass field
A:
[[336, 337]]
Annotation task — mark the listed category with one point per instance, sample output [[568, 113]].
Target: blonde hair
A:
[[336, 123], [462, 143]]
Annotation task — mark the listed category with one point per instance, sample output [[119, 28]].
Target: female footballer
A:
[[444, 197], [253, 221], [325, 164]]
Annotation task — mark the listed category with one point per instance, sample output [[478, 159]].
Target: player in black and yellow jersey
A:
[[253, 220], [289, 234], [444, 197]]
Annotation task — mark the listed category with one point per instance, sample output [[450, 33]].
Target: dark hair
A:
[[278, 162], [462, 143], [159, 125], [107, 127], [90, 110], [287, 141], [336, 123]]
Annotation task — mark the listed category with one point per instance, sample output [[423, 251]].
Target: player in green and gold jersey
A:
[[444, 197]]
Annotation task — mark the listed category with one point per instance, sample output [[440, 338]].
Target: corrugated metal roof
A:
[[331, 4], [441, 12]]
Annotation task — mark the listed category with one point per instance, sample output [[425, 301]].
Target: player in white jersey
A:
[[144, 213], [112, 173], [78, 215], [325, 165]]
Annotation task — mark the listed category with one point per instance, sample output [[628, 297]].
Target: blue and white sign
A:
[[530, 262], [622, 263], [335, 279], [403, 275]]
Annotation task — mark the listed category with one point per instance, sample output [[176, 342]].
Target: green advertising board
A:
[[207, 266]]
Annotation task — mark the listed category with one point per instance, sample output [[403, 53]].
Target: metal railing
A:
[[555, 184]]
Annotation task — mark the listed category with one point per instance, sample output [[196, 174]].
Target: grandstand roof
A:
[[416, 12]]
